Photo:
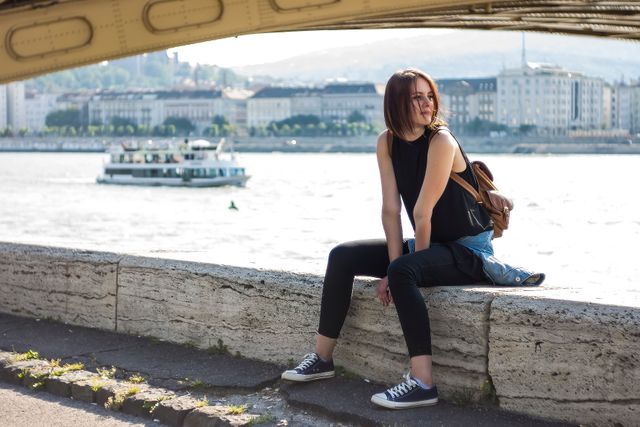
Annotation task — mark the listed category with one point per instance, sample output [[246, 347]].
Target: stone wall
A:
[[571, 361]]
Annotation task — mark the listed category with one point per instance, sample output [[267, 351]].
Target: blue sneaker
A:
[[407, 394], [311, 368]]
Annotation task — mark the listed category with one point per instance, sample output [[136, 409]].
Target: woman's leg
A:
[[359, 258], [366, 258], [435, 266]]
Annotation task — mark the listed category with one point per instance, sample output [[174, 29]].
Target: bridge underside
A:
[[41, 36]]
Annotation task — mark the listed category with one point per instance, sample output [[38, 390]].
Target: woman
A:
[[452, 244]]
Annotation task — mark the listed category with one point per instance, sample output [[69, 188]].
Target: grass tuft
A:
[[219, 349], [96, 385], [262, 419], [202, 402], [107, 373], [237, 409], [137, 379], [68, 367], [27, 355]]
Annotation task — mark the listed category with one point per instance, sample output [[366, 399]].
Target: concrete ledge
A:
[[72, 286], [568, 360], [565, 360]]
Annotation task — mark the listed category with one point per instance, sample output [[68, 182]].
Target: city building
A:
[[548, 100], [464, 100], [3, 107], [152, 108], [340, 100], [38, 106], [623, 116], [12, 106], [333, 103], [76, 101], [272, 104]]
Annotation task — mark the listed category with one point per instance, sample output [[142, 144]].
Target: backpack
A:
[[497, 205]]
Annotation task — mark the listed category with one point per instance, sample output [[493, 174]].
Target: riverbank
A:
[[472, 144]]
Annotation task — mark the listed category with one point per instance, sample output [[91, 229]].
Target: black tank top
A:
[[456, 214]]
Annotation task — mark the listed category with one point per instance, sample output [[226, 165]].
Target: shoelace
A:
[[403, 388], [309, 360]]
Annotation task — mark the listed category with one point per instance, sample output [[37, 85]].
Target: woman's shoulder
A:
[[384, 141], [441, 135]]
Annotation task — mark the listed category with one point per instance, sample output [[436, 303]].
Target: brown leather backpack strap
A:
[[464, 184]]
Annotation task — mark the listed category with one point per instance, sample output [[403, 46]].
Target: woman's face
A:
[[422, 103]]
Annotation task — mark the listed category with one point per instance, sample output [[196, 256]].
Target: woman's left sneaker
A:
[[407, 394], [311, 368]]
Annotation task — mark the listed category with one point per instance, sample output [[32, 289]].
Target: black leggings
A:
[[440, 265]]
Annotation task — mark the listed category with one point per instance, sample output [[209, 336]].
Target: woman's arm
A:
[[391, 206], [442, 150]]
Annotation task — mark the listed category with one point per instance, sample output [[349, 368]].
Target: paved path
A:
[[21, 407], [224, 379]]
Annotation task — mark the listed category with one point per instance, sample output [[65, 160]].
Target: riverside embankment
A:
[[525, 348], [353, 144]]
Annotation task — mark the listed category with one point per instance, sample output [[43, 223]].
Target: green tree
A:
[[526, 129], [118, 121], [356, 117], [219, 120], [181, 125], [68, 117]]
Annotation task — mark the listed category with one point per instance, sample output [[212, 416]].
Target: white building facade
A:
[[625, 108], [332, 103], [3, 107], [464, 100], [12, 107], [272, 104], [340, 100], [152, 108], [38, 106], [549, 98]]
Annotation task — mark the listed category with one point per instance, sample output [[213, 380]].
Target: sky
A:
[[271, 47]]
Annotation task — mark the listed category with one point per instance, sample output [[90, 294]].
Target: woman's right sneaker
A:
[[311, 368]]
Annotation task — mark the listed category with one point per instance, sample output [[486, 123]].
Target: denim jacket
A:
[[496, 271]]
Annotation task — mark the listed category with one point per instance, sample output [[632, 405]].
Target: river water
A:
[[577, 217]]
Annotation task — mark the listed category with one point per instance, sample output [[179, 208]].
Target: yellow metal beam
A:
[[41, 36]]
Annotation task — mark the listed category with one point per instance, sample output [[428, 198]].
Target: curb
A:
[[139, 399]]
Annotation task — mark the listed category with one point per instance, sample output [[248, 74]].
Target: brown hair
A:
[[398, 104]]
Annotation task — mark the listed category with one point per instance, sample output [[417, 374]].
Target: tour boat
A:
[[189, 164]]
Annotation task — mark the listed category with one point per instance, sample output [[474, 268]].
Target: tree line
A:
[[69, 123]]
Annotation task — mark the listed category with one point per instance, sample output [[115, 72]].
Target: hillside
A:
[[459, 54]]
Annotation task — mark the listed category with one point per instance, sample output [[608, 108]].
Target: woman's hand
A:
[[382, 292]]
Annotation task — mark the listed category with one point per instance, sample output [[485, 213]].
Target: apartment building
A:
[[12, 106], [152, 108], [3, 107], [464, 100], [334, 102], [625, 106], [37, 107], [340, 100], [278, 103], [551, 99]]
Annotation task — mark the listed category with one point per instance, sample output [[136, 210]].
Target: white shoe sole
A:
[[294, 376], [381, 401]]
